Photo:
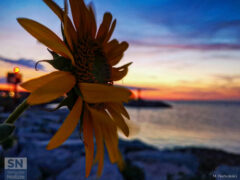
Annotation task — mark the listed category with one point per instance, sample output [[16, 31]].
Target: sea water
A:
[[199, 124]]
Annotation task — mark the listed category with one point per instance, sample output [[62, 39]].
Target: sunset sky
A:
[[180, 49]]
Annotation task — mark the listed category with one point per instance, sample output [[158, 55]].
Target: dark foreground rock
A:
[[143, 162]]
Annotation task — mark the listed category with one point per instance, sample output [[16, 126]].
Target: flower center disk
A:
[[91, 63]]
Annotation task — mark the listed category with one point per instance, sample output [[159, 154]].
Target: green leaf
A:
[[5, 131], [69, 101], [59, 63], [72, 98], [54, 55]]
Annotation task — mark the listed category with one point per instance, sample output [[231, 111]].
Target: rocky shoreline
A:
[[143, 162]]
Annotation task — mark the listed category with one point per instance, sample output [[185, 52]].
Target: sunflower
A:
[[85, 61]]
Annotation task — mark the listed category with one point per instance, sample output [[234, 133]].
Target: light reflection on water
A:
[[215, 125]]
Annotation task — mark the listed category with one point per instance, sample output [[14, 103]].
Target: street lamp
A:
[[14, 78]]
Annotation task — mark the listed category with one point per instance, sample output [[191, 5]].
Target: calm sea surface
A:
[[206, 124]]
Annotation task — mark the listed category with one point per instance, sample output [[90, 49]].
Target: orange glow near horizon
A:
[[168, 86], [187, 92], [10, 87], [16, 69], [186, 95], [165, 94]]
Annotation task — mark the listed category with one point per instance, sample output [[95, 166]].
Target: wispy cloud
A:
[[199, 17], [2, 80], [24, 62], [227, 78], [197, 46]]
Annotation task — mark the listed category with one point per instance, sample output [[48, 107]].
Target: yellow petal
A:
[[99, 116], [119, 73], [109, 34], [45, 36], [118, 119], [66, 6], [51, 90], [92, 19], [67, 33], [109, 131], [76, 12], [55, 8], [110, 45], [67, 127], [80, 16], [111, 141], [88, 140], [69, 30], [118, 107], [116, 51], [100, 146], [120, 162], [104, 27], [97, 93], [115, 60], [33, 84]]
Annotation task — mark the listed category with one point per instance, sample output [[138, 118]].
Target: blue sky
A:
[[160, 21], [189, 45]]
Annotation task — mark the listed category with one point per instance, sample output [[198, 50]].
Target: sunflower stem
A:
[[17, 112]]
